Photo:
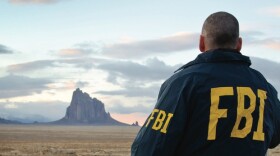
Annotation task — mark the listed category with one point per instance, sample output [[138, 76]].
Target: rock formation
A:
[[86, 110], [135, 124]]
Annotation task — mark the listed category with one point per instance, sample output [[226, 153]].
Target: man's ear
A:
[[202, 43], [239, 44]]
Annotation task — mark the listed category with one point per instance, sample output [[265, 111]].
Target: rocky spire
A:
[[86, 110]]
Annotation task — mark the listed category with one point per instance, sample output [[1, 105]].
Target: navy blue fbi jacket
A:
[[215, 105]]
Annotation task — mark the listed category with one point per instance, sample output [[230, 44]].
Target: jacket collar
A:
[[218, 55]]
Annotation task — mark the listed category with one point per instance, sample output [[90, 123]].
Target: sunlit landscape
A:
[[30, 140]]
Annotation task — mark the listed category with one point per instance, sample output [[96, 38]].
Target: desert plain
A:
[[32, 140], [44, 140]]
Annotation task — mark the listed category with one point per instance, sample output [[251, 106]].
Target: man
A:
[[215, 105]]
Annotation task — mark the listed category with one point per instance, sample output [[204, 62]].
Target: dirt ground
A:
[[30, 140]]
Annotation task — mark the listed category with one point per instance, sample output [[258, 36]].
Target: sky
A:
[[119, 51]]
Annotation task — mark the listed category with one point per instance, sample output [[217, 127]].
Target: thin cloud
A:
[[273, 44], [68, 85], [152, 70], [33, 1], [5, 50], [258, 38], [133, 91], [16, 86], [84, 49], [118, 108], [85, 63], [81, 84], [11, 106], [252, 37], [274, 11], [136, 49], [74, 52], [30, 66]]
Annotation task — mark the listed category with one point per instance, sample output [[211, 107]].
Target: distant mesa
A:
[[4, 121], [86, 110]]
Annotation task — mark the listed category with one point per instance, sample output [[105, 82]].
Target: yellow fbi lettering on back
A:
[[161, 120], [242, 112]]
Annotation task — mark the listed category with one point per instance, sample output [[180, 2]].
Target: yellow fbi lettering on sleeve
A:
[[216, 113], [160, 119]]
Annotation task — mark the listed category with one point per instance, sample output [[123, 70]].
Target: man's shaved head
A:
[[221, 30]]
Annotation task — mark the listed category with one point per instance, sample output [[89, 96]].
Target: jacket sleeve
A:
[[162, 132], [276, 113]]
